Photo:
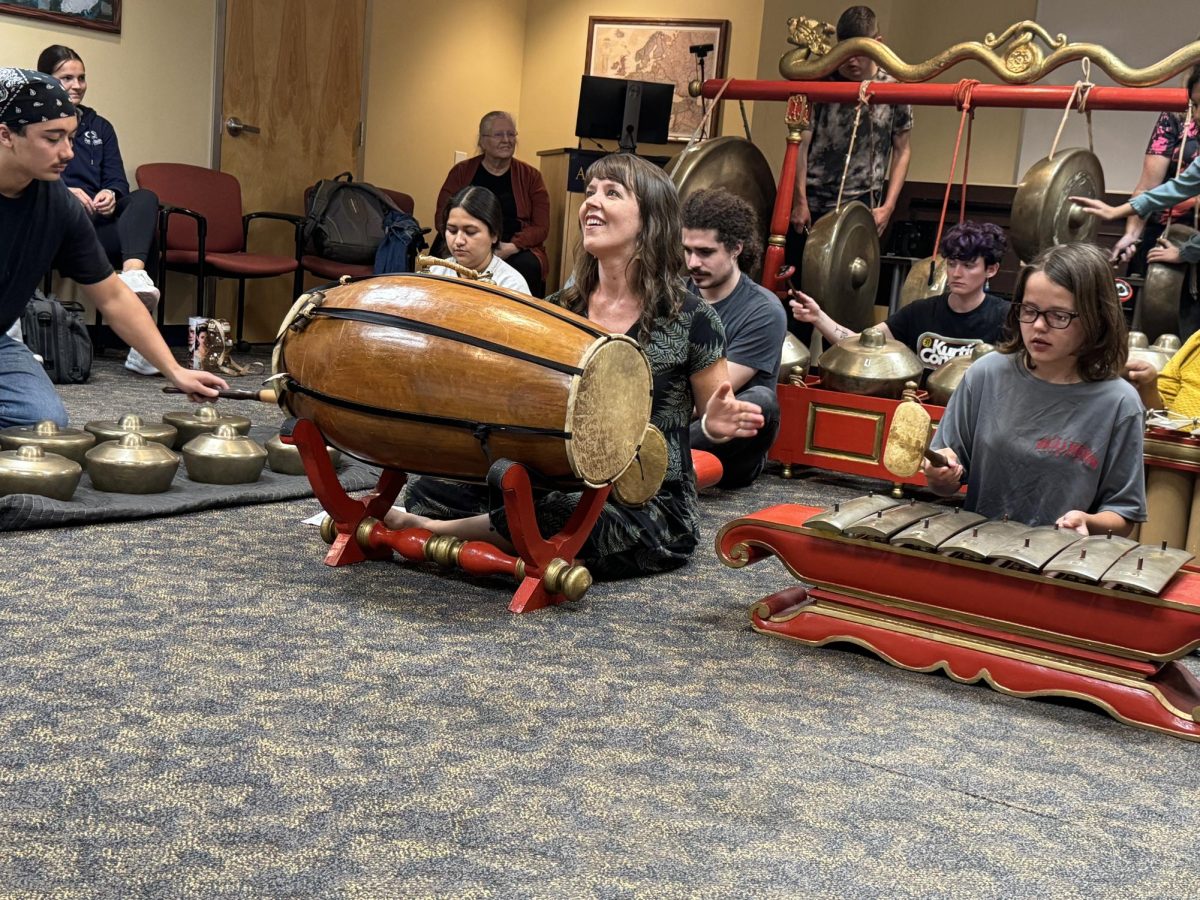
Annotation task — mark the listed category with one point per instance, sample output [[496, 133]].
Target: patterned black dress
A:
[[625, 542]]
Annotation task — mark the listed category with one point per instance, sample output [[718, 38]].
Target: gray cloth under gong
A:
[[88, 505]]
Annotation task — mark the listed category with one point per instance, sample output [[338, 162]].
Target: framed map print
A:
[[102, 15], [660, 50]]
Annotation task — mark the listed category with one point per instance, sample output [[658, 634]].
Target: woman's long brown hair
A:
[[658, 263], [1084, 271]]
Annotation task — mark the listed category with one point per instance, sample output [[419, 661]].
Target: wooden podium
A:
[[562, 170]]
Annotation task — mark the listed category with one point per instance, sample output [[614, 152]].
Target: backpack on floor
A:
[[346, 219], [56, 332]]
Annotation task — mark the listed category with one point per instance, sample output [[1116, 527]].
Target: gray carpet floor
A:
[[197, 706]]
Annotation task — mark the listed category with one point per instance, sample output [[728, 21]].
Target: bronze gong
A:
[[1042, 213], [732, 163], [841, 265], [918, 285], [1157, 310]]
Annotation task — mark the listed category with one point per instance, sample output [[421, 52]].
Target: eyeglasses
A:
[[501, 135], [1055, 318]]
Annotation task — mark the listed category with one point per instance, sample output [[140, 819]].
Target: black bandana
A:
[[27, 97]]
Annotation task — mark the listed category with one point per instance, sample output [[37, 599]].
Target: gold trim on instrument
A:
[[996, 648], [815, 450], [1014, 56], [1147, 599]]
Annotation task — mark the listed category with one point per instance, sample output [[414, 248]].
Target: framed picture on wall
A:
[[102, 15], [661, 50]]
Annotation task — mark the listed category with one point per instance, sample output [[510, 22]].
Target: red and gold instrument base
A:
[[837, 431], [1022, 633]]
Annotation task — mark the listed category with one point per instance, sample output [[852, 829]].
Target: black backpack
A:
[[345, 219], [56, 332]]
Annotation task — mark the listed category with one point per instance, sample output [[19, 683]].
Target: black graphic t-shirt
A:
[[936, 333]]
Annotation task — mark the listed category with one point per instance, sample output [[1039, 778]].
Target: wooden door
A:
[[294, 70]]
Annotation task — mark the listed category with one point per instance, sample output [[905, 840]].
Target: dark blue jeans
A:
[[27, 395]]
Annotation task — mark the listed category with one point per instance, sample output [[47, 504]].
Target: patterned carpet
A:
[[197, 706]]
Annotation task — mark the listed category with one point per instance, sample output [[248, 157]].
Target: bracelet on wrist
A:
[[709, 435]]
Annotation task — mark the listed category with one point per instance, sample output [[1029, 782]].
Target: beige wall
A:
[[430, 77], [429, 82], [915, 30], [153, 81]]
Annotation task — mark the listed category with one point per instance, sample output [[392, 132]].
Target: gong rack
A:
[[914, 584], [1015, 55]]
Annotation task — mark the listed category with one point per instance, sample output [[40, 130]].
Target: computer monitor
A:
[[615, 109]]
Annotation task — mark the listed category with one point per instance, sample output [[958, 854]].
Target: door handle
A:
[[235, 126]]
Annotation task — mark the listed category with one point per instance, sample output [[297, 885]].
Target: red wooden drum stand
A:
[[1023, 633], [355, 531]]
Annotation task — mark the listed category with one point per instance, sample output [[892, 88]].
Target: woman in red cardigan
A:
[[521, 191]]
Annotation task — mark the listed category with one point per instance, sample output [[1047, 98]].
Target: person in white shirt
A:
[[473, 228]]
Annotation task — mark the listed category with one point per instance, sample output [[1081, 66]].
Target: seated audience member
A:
[[1045, 431], [472, 234], [719, 240], [524, 201], [125, 220], [1177, 386], [939, 328], [628, 280], [42, 225]]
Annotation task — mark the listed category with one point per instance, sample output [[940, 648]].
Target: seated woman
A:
[[472, 233], [1045, 431], [524, 201], [939, 328], [1177, 386], [125, 220], [628, 280]]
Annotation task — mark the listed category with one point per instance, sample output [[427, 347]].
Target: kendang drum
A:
[[443, 376]]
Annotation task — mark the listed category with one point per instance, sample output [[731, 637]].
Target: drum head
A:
[[608, 409], [644, 475], [732, 163]]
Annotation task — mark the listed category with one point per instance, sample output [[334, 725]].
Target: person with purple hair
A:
[[939, 328]]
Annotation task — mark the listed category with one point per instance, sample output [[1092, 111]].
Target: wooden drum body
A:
[[443, 376]]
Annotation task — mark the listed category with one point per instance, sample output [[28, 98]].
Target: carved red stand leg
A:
[[346, 512], [544, 566], [537, 552]]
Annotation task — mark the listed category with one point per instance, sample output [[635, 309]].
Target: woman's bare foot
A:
[[398, 517]]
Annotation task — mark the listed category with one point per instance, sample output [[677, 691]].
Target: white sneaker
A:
[[135, 362], [139, 282]]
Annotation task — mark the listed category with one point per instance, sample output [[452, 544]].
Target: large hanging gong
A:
[[1157, 311], [732, 163], [1042, 213], [841, 265], [919, 285]]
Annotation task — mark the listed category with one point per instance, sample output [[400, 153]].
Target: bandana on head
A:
[[27, 97]]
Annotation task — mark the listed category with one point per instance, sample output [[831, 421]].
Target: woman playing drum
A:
[[1045, 431], [629, 279]]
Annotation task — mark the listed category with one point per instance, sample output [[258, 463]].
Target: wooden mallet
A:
[[908, 437]]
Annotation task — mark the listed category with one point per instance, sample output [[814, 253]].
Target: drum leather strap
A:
[[386, 319], [481, 430], [549, 308]]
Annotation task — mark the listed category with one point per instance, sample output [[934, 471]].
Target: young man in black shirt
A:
[[939, 328], [43, 226]]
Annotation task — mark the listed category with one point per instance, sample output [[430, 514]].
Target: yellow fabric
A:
[[1179, 381]]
